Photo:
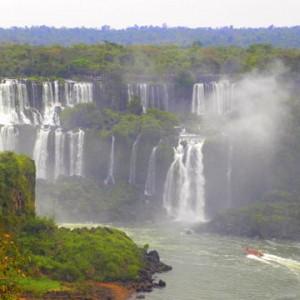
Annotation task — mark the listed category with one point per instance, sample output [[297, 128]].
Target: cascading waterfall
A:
[[83, 92], [68, 153], [144, 96], [150, 180], [76, 141], [40, 153], [13, 102], [59, 142], [110, 176], [130, 93], [8, 138], [51, 103], [15, 107], [213, 97], [132, 171], [222, 97], [184, 196], [198, 101], [166, 97], [28, 102], [78, 92], [150, 95]]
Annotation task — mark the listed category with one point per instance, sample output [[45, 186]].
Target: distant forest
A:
[[283, 37]]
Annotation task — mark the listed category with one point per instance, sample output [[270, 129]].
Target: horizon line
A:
[[164, 26]]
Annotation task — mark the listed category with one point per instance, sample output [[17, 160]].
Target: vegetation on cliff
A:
[[17, 189], [101, 254], [35, 254], [263, 219]]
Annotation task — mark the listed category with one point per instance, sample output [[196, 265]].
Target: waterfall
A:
[[59, 142], [150, 95], [110, 175], [13, 102], [198, 104], [131, 92], [150, 180], [83, 92], [39, 104], [8, 138], [40, 153], [213, 97], [144, 96], [51, 103], [72, 141], [76, 142], [184, 197], [37, 117], [78, 92], [222, 97], [132, 172], [166, 97]]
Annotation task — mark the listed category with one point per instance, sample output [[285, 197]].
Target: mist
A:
[[261, 105]]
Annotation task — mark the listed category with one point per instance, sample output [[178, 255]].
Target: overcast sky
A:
[[126, 13]]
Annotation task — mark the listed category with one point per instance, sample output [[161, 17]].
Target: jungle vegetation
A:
[[115, 62]]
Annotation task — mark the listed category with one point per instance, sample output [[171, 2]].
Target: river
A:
[[212, 267]]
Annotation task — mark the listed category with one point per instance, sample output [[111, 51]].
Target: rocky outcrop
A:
[[153, 265]]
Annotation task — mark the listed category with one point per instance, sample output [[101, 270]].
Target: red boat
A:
[[257, 253]]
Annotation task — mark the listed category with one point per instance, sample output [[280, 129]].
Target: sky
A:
[[126, 13]]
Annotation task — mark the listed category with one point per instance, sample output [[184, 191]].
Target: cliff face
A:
[[17, 186]]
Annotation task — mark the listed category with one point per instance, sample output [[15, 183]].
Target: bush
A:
[[81, 254]]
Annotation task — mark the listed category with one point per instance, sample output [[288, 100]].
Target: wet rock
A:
[[153, 256], [161, 283]]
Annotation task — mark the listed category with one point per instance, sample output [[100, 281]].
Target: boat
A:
[[257, 253]]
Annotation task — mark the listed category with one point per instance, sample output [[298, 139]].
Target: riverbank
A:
[[116, 290], [93, 290], [89, 291]]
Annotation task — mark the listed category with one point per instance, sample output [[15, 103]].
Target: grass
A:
[[38, 286]]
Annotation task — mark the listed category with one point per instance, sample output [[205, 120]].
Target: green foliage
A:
[[261, 220], [38, 286], [102, 254], [17, 184], [128, 126], [123, 193], [12, 264], [114, 64], [166, 120], [135, 107]]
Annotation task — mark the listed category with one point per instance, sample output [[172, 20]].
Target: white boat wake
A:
[[276, 260]]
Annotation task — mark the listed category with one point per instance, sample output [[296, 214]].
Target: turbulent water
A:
[[212, 267]]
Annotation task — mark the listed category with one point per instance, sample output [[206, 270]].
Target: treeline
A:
[[285, 37], [114, 61]]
